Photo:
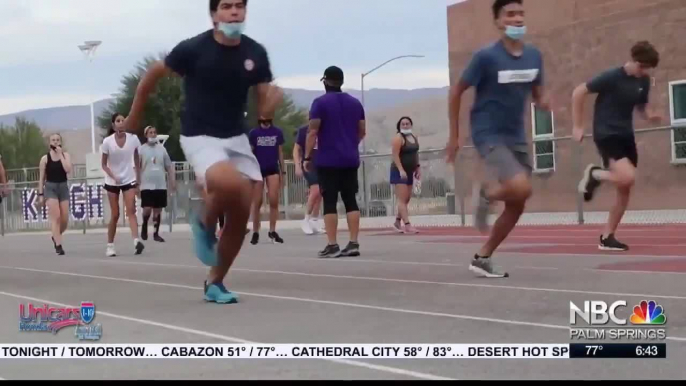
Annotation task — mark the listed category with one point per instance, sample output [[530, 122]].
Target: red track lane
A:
[[644, 240], [671, 230]]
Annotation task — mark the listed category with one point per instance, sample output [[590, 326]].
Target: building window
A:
[[543, 126], [677, 107]]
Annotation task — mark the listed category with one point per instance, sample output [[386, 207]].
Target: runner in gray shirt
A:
[[155, 163], [506, 75]]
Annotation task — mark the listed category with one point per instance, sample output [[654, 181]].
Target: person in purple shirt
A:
[[310, 224], [337, 126], [267, 145]]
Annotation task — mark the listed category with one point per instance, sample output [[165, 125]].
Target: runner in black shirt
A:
[[219, 67]]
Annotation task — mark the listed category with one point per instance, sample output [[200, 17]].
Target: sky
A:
[[41, 66]]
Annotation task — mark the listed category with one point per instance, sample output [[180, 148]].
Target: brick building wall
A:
[[578, 39]]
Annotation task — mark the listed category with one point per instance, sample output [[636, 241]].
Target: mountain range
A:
[[427, 107], [78, 117]]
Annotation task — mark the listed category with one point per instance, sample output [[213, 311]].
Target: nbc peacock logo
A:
[[649, 312]]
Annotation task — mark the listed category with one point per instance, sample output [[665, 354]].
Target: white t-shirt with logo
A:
[[121, 159]]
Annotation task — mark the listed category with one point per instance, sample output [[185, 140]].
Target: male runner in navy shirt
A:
[[218, 66], [504, 75], [621, 91]]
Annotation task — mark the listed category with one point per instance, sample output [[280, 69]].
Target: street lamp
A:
[[88, 48], [364, 142]]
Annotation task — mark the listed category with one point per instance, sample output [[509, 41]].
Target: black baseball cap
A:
[[333, 73]]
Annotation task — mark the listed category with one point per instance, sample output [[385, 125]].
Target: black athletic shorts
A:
[[617, 148], [119, 189], [270, 172], [339, 180], [156, 199]]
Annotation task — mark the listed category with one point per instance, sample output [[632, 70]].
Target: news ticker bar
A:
[[343, 351]]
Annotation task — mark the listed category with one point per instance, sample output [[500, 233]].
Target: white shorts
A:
[[203, 152]]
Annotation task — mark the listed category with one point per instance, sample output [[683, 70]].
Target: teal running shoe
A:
[[205, 243], [217, 293]]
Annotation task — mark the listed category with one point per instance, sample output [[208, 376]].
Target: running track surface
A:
[[403, 289]]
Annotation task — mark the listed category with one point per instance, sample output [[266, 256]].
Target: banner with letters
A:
[[85, 203]]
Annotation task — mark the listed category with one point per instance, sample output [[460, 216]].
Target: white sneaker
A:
[[314, 223], [111, 252], [306, 226]]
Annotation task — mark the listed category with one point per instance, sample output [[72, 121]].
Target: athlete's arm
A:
[[106, 168], [66, 163], [282, 164], [297, 158], [650, 113], [396, 145], [540, 97], [362, 129], [146, 86], [297, 154], [3, 177], [171, 170], [454, 105], [312, 133], [137, 166], [268, 99], [41, 173], [578, 99], [3, 180]]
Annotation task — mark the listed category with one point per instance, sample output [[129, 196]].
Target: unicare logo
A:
[[53, 319]]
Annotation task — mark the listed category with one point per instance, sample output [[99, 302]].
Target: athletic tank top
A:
[[54, 171], [409, 154]]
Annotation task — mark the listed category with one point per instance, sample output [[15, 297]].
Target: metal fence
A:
[[560, 162]]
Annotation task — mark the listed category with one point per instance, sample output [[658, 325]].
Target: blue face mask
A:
[[232, 30], [515, 33]]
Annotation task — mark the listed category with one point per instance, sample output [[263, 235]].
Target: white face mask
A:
[[406, 132], [231, 30], [153, 141]]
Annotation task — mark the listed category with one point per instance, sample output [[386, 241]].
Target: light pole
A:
[[364, 141], [364, 147], [88, 48]]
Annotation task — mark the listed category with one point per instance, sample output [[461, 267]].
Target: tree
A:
[[22, 145], [163, 109]]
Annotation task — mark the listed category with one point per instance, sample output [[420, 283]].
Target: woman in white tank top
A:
[[121, 165]]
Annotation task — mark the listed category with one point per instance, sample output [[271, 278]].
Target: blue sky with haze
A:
[[41, 65]]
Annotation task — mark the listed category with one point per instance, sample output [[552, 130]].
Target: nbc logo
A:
[[649, 312]]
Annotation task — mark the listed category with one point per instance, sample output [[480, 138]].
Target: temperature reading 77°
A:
[[593, 350]]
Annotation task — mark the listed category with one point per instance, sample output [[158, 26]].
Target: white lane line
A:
[[531, 268], [305, 300], [230, 339], [466, 285], [312, 260]]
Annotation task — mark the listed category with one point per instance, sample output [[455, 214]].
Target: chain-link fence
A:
[[558, 163]]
